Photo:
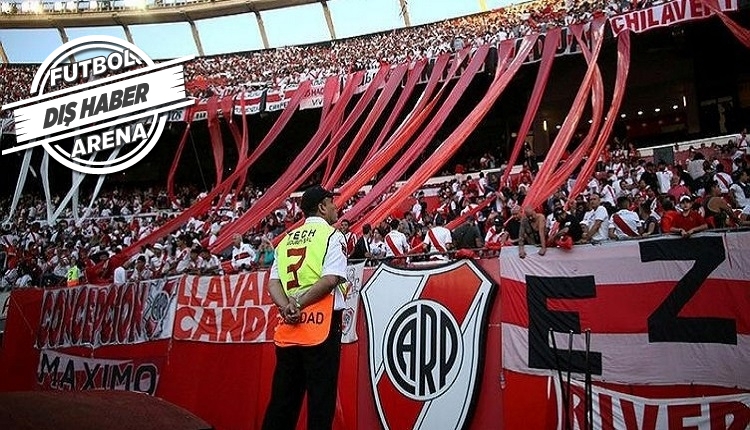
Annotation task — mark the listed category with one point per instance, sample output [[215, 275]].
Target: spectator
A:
[[739, 191], [624, 224], [243, 255], [439, 239], [362, 247], [651, 225], [467, 235], [397, 246], [209, 263], [266, 253], [533, 232], [568, 225], [596, 221], [378, 248], [141, 271], [689, 221]]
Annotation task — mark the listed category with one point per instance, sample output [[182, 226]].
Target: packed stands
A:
[[34, 253], [231, 73]]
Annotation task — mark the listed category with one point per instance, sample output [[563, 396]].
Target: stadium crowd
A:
[[232, 73], [629, 197]]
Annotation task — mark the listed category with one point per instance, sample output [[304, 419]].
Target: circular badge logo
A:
[[423, 349], [103, 114]]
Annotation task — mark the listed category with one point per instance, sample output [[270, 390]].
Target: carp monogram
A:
[[426, 332]]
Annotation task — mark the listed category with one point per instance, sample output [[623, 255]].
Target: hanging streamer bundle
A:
[[203, 205], [503, 76], [291, 177], [424, 139], [214, 131], [551, 40], [394, 80], [560, 175], [374, 113], [178, 153], [404, 134], [623, 68], [542, 180]]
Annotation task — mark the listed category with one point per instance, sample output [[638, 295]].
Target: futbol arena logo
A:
[[103, 114]]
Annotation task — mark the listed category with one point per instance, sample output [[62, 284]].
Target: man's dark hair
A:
[[366, 229], [667, 204], [623, 202], [394, 224]]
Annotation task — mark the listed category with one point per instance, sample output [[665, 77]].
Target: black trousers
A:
[[311, 369]]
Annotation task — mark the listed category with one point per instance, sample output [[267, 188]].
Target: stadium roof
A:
[[179, 13]]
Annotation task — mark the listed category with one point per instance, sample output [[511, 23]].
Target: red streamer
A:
[[178, 154], [446, 150], [739, 32], [424, 139], [542, 180], [394, 80], [623, 68], [548, 57], [214, 130], [563, 173]]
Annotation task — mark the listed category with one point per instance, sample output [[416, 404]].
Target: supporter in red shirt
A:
[[690, 221], [668, 216]]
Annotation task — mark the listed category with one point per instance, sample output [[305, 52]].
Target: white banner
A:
[[94, 315], [661, 311], [354, 276], [65, 372], [239, 309], [616, 410], [99, 104], [665, 14]]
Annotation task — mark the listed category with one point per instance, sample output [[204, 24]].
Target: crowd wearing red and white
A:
[[228, 74]]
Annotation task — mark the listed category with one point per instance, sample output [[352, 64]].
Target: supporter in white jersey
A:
[[439, 239], [624, 224], [663, 178], [596, 221], [396, 244], [243, 255]]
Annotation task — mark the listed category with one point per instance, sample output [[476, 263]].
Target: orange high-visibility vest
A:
[[300, 258]]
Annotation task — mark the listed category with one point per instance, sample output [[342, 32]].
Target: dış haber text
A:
[[110, 139], [96, 105]]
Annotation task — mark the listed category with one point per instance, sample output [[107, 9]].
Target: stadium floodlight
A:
[[5, 7], [675, 107], [59, 6], [72, 6], [93, 5]]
